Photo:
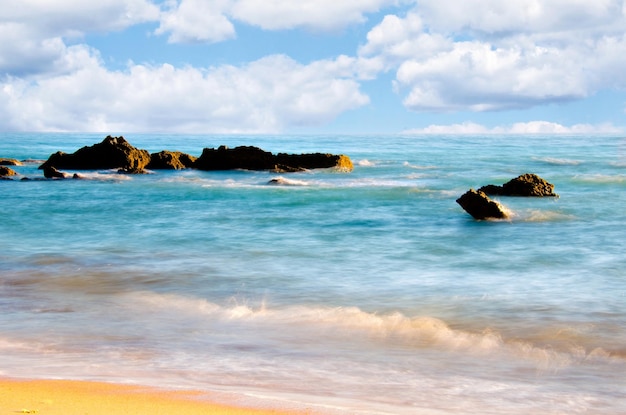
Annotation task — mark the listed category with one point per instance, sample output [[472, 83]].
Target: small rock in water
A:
[[480, 206]]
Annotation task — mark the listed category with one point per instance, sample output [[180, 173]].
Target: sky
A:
[[313, 66]]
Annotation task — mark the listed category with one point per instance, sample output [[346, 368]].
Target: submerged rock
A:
[[527, 184], [50, 172], [170, 160], [253, 158], [111, 153], [480, 206]]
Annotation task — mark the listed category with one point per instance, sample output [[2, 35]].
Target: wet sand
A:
[[62, 397]]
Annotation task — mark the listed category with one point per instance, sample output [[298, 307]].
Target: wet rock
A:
[[254, 158], [9, 162], [50, 172], [527, 184], [170, 160], [480, 206], [111, 153], [6, 173], [315, 161]]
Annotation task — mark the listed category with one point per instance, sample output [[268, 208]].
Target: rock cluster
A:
[[117, 153], [478, 204]]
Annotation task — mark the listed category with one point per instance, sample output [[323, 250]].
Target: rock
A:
[[243, 157], [480, 206], [6, 173], [9, 162], [111, 153], [170, 160], [525, 185], [50, 172], [315, 161], [253, 158]]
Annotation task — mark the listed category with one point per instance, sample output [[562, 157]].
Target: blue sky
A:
[[314, 66]]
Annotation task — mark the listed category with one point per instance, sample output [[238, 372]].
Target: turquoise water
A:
[[370, 292]]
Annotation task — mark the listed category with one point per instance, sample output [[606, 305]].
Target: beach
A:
[[64, 397], [363, 292]]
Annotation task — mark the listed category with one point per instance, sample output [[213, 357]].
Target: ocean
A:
[[368, 292]]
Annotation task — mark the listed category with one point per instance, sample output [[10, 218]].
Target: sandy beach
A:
[[62, 397]]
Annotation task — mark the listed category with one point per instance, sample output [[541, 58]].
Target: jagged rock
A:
[[480, 206], [9, 162], [50, 172], [525, 185], [170, 160], [111, 153], [6, 173], [253, 158]]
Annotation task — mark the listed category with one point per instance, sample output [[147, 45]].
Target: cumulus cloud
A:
[[484, 55], [212, 20], [313, 14], [196, 21], [532, 127], [34, 33], [266, 95]]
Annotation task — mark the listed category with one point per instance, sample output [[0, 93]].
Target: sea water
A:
[[368, 292]]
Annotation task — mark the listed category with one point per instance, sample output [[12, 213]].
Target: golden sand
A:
[[61, 397]]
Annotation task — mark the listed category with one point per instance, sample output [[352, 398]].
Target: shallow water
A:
[[362, 292]]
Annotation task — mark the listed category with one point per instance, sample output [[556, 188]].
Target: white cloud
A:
[[33, 33], [483, 55], [532, 127], [74, 17], [197, 21], [483, 17], [212, 20], [263, 96], [313, 14]]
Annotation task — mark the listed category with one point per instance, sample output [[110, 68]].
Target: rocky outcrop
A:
[[480, 206], [525, 185], [253, 158], [9, 162], [6, 173], [170, 160], [314, 161], [111, 153]]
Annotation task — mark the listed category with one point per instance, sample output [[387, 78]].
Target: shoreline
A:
[[63, 397]]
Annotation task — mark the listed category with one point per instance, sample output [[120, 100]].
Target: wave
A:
[[281, 181], [601, 179], [557, 161], [534, 215], [395, 329]]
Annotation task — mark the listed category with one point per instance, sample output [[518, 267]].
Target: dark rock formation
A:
[[9, 162], [253, 158], [170, 160], [244, 157], [480, 206], [524, 185], [6, 173], [111, 153]]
